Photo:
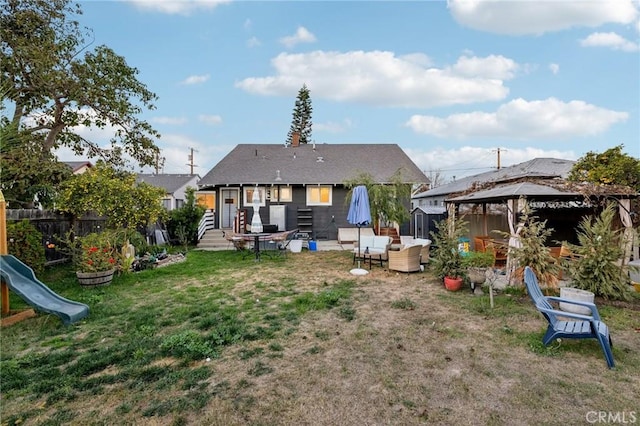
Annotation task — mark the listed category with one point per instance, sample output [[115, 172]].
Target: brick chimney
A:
[[295, 139]]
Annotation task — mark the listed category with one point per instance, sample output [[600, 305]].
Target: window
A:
[[248, 196], [166, 203], [319, 195], [286, 194], [179, 203], [207, 200]]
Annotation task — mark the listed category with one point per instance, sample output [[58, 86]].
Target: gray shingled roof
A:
[[259, 164], [516, 190], [169, 182], [544, 190], [75, 165], [543, 168]]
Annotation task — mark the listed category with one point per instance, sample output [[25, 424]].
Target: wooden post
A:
[[3, 251], [6, 311]]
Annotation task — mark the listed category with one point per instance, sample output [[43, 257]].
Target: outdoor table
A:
[[256, 241], [368, 254]]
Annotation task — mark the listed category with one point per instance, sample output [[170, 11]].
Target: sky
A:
[[456, 84]]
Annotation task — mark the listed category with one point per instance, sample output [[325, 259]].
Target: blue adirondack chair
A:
[[576, 327]]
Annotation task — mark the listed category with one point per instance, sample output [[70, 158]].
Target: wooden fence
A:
[[55, 226]]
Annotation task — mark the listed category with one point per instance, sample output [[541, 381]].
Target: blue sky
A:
[[449, 82]]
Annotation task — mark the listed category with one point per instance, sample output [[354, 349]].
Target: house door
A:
[[229, 205], [418, 222]]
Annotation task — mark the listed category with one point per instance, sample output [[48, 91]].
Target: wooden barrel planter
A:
[[95, 279]]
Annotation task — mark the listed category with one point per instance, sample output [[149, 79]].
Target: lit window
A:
[[286, 194], [207, 200], [319, 195], [248, 196]]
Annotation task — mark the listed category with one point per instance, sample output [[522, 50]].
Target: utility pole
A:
[[190, 163], [158, 163]]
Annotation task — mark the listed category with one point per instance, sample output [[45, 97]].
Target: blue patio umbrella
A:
[[359, 210], [359, 215]]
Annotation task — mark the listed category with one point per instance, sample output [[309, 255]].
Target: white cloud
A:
[[210, 119], [522, 120], [555, 68], [253, 42], [302, 35], [174, 121], [176, 148], [611, 40], [382, 79], [472, 160], [195, 79], [332, 126], [493, 66], [538, 17], [177, 7]]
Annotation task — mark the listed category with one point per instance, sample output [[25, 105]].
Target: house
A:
[[300, 186], [538, 168], [175, 186], [78, 167]]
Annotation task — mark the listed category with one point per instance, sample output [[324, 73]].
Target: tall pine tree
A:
[[301, 122]]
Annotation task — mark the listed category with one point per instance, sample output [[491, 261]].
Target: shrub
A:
[[532, 251], [447, 259], [24, 241], [183, 222], [594, 265]]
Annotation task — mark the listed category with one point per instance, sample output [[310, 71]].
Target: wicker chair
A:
[[406, 259], [424, 253]]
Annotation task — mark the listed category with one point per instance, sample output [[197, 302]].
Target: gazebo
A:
[[556, 194]]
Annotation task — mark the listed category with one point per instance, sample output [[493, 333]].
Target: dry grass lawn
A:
[[413, 353]]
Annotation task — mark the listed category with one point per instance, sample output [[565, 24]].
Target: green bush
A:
[[24, 241], [183, 222], [594, 268]]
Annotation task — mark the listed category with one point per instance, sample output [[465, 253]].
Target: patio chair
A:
[[236, 240], [406, 259], [568, 324], [499, 250]]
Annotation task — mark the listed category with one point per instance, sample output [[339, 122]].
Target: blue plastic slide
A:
[[21, 280]]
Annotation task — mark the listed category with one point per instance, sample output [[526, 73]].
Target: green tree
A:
[[114, 194], [612, 167], [302, 112], [28, 172], [58, 83], [388, 201]]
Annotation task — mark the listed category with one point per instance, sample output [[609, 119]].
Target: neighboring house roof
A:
[[430, 209], [169, 182], [553, 189], [78, 165], [259, 164], [540, 168]]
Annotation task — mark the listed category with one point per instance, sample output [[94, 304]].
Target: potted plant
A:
[[477, 263], [95, 259], [447, 260]]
